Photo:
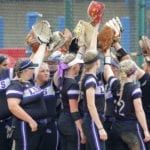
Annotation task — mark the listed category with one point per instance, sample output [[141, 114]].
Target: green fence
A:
[[14, 23]]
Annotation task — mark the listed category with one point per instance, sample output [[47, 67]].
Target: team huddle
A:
[[76, 105]]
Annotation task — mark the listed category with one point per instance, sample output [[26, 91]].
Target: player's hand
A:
[[146, 136], [83, 138], [103, 135], [33, 125]]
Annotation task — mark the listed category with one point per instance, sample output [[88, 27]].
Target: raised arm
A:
[[120, 51], [107, 65]]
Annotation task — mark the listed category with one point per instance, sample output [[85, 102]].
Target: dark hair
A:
[[3, 58]]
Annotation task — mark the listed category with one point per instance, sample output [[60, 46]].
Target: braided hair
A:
[[88, 57], [127, 68]]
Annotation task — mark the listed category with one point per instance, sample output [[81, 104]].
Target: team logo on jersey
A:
[[99, 90], [4, 83], [31, 91]]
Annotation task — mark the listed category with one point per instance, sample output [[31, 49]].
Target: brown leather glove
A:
[[32, 41], [83, 33], [40, 33], [144, 43], [105, 38]]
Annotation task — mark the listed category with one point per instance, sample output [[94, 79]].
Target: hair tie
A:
[[61, 67], [132, 71]]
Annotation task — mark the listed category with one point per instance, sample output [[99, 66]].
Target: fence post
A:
[[142, 26], [1, 32], [68, 14]]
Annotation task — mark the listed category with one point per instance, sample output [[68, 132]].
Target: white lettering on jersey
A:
[[4, 83], [121, 108], [31, 91]]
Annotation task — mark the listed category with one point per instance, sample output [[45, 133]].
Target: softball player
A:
[[94, 102], [110, 107], [5, 115], [69, 122], [129, 111], [50, 139], [25, 101], [144, 79]]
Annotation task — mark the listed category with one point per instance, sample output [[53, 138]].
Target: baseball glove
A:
[[68, 38], [145, 45], [105, 38], [40, 33], [95, 12], [57, 40], [83, 32], [42, 30], [116, 25], [110, 32], [32, 41]]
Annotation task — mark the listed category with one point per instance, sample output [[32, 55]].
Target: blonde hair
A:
[[43, 64], [127, 68], [89, 55]]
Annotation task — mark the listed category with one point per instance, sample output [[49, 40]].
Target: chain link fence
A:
[[17, 17]]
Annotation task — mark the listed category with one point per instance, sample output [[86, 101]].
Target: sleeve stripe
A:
[[89, 81], [13, 92], [73, 92], [138, 90]]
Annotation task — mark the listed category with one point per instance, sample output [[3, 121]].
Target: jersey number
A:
[[121, 108]]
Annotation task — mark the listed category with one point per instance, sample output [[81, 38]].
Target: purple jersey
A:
[[131, 91]]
